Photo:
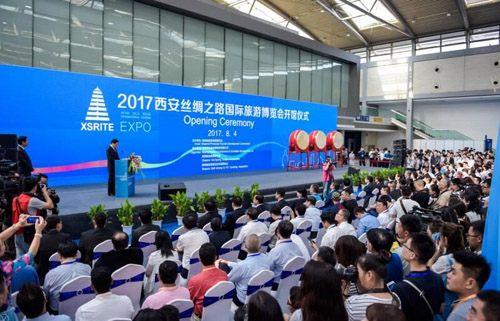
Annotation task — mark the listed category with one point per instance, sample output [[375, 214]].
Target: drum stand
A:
[[316, 158], [297, 163]]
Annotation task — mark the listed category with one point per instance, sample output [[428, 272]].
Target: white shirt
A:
[[106, 306], [252, 227], [384, 218], [189, 242], [473, 216], [313, 214], [333, 233], [397, 210], [154, 261]]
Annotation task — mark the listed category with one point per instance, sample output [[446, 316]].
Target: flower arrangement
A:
[[135, 164]]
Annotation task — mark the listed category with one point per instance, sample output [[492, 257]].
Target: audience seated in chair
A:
[[334, 232], [31, 302], [218, 237], [67, 271], [121, 254], [243, 271], [284, 250], [106, 305], [211, 212], [321, 295], [326, 254], [349, 203], [366, 221], [91, 238], [231, 218], [210, 275], [313, 214], [164, 251], [253, 226], [280, 197], [261, 307], [258, 202], [49, 245], [145, 217], [276, 218], [169, 291], [300, 210], [190, 241]]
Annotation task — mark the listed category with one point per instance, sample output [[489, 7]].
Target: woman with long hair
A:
[[371, 280], [451, 240], [260, 307], [164, 251], [321, 296], [348, 249]]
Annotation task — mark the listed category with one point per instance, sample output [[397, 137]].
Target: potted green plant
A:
[[355, 182], [96, 209], [158, 209], [220, 199], [182, 204], [254, 190], [200, 202], [126, 215], [238, 192]]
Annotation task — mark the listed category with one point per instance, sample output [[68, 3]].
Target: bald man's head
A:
[[120, 241]]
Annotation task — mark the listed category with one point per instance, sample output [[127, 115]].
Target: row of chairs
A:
[[217, 302]]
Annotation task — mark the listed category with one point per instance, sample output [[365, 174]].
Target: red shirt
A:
[[198, 285]]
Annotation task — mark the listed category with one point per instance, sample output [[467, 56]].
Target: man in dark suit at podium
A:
[[23, 160], [112, 155]]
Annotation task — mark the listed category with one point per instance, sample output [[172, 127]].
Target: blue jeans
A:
[[326, 189]]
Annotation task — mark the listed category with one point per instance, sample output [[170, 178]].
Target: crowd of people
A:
[[372, 258]]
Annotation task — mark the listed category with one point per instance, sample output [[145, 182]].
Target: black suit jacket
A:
[[90, 239], [231, 218], [140, 231], [205, 219], [261, 208], [111, 155], [218, 239], [282, 203], [48, 246], [350, 205], [116, 259], [24, 164]]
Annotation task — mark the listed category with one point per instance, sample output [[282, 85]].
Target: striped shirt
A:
[[356, 305]]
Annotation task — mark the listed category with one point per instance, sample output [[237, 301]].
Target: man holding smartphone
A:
[[27, 203]]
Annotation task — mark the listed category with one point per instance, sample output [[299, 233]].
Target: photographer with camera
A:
[[28, 203], [328, 168], [371, 281], [43, 180]]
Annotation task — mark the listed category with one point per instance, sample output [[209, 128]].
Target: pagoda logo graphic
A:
[[97, 118], [97, 108]]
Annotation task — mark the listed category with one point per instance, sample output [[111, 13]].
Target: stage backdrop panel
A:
[[70, 119]]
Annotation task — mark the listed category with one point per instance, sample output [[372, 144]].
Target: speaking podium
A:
[[124, 181]]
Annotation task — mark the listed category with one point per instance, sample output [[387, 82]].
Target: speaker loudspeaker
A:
[[164, 190]]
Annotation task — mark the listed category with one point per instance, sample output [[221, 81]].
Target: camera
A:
[[349, 273]]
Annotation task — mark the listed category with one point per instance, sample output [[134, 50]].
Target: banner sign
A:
[[70, 119]]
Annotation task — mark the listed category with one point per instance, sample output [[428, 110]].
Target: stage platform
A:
[[79, 199]]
